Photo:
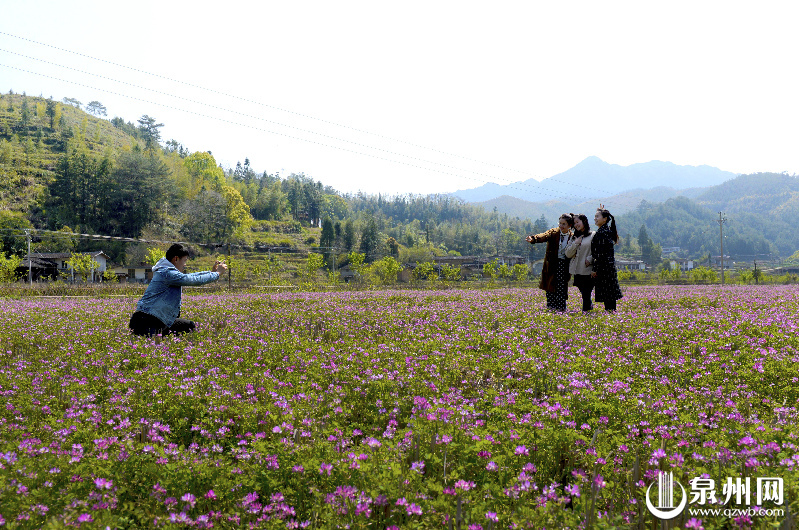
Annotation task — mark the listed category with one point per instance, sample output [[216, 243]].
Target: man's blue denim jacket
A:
[[162, 297]]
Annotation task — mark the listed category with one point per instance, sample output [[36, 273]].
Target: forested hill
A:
[[34, 133], [64, 166], [772, 194], [759, 208]]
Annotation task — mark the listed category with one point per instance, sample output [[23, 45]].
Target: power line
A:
[[255, 246], [270, 121], [282, 110], [100, 237], [283, 134], [260, 103]]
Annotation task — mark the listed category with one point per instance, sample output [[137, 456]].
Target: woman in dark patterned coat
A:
[[604, 260], [555, 273]]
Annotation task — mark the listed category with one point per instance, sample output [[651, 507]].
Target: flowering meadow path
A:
[[407, 409]]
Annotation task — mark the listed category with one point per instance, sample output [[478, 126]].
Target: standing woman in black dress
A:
[[604, 260], [555, 273]]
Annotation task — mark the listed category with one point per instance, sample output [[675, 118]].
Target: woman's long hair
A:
[[586, 227], [614, 234]]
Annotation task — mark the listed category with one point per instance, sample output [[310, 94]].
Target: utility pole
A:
[[721, 221], [30, 266]]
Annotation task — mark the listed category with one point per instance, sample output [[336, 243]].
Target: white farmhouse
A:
[[60, 260]]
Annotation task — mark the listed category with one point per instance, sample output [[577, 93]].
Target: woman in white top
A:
[[579, 250]]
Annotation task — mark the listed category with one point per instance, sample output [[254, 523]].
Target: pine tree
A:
[[369, 240], [349, 235], [328, 237], [50, 112], [148, 130]]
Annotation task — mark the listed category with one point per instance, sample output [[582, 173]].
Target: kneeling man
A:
[[158, 310]]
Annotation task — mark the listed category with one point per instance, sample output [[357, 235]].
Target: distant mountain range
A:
[[618, 204], [593, 178], [594, 181], [678, 205]]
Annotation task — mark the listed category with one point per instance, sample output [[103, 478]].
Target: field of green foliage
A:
[[399, 409]]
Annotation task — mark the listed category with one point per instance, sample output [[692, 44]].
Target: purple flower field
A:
[[395, 409]]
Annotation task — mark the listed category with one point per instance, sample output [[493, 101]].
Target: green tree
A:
[[328, 236], [6, 153], [746, 276], [72, 101], [203, 173], [384, 271], [63, 241], [24, 117], [271, 202], [757, 274], [8, 268], [369, 239], [451, 272], [271, 268], [334, 206], [149, 131], [82, 264], [651, 253], [237, 214], [294, 196], [540, 226], [357, 265], [520, 272], [338, 231], [349, 234], [50, 112], [11, 182], [203, 217], [238, 268], [313, 199], [491, 269], [703, 274], [327, 240], [504, 272], [12, 225], [424, 270], [510, 241], [152, 255], [393, 247], [81, 193], [95, 108], [140, 190]]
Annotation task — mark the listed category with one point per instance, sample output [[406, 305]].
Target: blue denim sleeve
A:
[[174, 277]]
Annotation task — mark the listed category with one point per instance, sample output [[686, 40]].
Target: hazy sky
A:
[[428, 96]]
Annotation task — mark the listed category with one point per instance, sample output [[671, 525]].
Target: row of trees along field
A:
[[64, 166]]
